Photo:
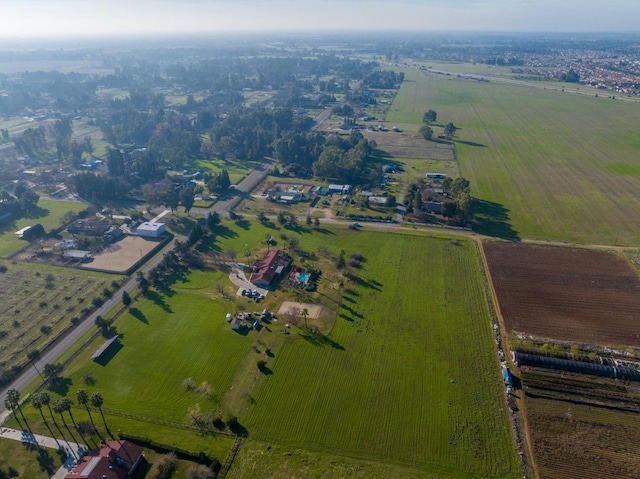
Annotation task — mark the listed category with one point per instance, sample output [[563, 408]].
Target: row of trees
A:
[[428, 119], [42, 399], [22, 201]]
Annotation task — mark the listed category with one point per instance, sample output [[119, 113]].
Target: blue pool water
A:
[[303, 277]]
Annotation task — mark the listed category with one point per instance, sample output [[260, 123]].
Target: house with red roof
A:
[[117, 460], [271, 267]]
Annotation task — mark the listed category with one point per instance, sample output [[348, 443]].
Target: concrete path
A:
[[238, 278], [74, 451], [160, 216]]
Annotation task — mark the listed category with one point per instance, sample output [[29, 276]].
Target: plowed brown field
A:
[[567, 294]]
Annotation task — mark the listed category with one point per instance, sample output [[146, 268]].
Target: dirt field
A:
[[573, 441], [566, 293], [314, 309], [123, 255], [406, 145]]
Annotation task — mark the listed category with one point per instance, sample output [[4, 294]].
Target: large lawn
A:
[[408, 376], [406, 382], [548, 164], [28, 460], [48, 214]]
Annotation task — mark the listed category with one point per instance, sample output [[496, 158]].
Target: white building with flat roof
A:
[[150, 229]]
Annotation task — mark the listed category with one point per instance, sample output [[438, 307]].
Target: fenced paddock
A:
[[122, 256]]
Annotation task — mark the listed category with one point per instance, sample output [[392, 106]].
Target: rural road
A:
[[53, 353]]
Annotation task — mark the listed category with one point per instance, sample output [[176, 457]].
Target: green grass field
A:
[[552, 165], [410, 387], [28, 460], [411, 382], [48, 214]]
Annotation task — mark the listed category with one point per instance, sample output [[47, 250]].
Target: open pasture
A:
[[412, 386], [412, 382], [48, 214], [563, 166], [564, 293]]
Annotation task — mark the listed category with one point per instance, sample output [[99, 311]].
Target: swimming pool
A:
[[303, 277]]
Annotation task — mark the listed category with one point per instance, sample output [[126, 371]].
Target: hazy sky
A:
[[27, 18]]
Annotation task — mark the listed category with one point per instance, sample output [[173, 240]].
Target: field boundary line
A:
[[496, 312], [230, 458]]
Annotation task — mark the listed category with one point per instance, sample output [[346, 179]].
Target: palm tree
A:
[[305, 313], [36, 402], [45, 399], [58, 408], [65, 404], [12, 402], [97, 401], [83, 399]]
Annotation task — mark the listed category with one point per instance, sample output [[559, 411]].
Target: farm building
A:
[[340, 189], [113, 235], [76, 254], [271, 267], [150, 230], [286, 197], [236, 323], [378, 200], [30, 232], [117, 460], [106, 345], [436, 176]]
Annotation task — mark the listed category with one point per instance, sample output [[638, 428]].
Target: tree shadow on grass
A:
[[60, 386], [492, 219], [244, 224], [238, 429], [158, 300], [207, 244], [36, 213], [319, 340], [45, 461], [351, 311], [471, 143], [364, 282], [225, 232], [139, 315], [324, 231]]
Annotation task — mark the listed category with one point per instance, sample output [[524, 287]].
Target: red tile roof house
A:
[[117, 460], [272, 266]]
